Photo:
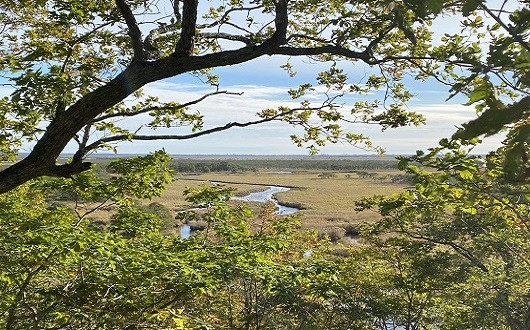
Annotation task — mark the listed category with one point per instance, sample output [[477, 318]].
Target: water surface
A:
[[260, 196]]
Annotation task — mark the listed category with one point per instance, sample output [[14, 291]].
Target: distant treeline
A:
[[246, 165]]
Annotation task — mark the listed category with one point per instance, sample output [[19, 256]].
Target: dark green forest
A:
[[238, 165]]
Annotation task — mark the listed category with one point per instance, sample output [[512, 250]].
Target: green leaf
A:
[[470, 6], [465, 174], [480, 93]]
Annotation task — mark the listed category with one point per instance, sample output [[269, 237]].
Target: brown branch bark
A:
[[133, 30], [189, 20]]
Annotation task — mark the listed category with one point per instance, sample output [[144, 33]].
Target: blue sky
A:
[[264, 85]]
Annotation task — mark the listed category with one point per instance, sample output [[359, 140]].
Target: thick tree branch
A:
[[184, 46], [68, 170], [281, 21], [133, 30], [41, 160]]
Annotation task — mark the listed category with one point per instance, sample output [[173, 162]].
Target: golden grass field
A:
[[327, 202]]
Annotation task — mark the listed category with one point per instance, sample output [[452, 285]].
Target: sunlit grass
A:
[[326, 202]]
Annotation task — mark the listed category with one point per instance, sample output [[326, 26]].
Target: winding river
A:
[[268, 195], [260, 196]]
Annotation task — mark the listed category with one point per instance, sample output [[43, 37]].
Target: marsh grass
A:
[[326, 201]]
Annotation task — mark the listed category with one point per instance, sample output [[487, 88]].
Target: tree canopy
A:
[[450, 252], [73, 64]]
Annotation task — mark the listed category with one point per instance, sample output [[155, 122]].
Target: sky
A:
[[264, 85]]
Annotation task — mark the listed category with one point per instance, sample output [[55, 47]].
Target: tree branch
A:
[[308, 37], [184, 46], [378, 39], [149, 42], [225, 16], [148, 109], [329, 49], [133, 30], [466, 253], [281, 21], [515, 36], [124, 137], [226, 36]]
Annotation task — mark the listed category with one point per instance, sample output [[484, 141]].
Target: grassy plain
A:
[[325, 202], [327, 198]]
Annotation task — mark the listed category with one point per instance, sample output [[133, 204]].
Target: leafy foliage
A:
[[469, 211], [451, 252]]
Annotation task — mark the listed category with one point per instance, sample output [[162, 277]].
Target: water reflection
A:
[[185, 231], [268, 195]]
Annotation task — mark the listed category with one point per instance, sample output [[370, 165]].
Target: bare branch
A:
[[148, 109], [149, 41], [226, 36], [225, 16], [124, 137], [238, 27], [133, 29], [185, 136], [304, 36]]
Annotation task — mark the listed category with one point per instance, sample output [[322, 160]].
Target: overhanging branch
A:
[[124, 137], [148, 109]]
